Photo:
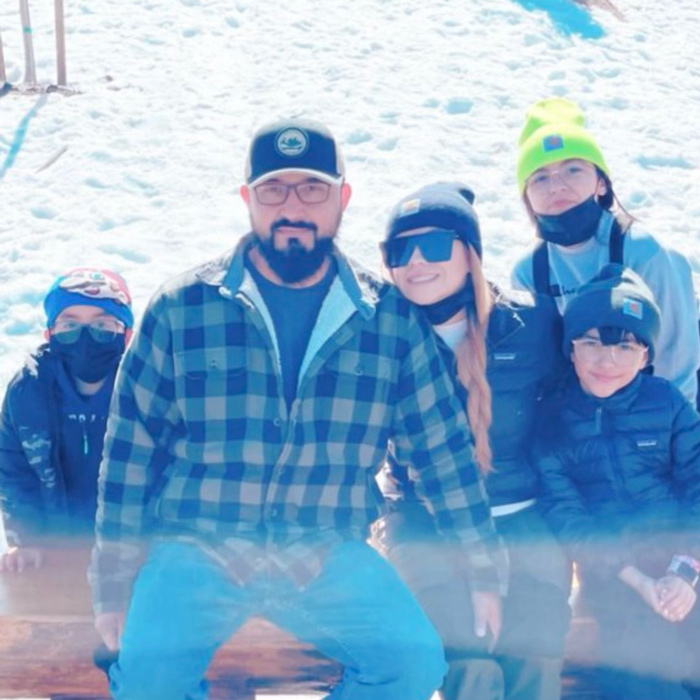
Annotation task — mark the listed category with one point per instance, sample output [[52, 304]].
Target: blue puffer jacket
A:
[[523, 358], [621, 474], [51, 442]]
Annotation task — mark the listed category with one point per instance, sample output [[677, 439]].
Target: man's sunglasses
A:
[[435, 246]]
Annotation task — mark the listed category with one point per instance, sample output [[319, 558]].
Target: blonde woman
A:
[[504, 350]]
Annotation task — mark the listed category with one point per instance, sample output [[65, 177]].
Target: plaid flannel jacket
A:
[[200, 445]]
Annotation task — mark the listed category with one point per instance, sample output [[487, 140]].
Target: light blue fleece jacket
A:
[[668, 275]]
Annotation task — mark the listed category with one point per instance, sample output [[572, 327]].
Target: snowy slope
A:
[[171, 91]]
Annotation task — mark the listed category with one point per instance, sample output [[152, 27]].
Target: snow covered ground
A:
[[170, 92]]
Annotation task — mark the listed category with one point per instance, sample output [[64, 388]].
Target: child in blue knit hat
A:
[[620, 468], [55, 412]]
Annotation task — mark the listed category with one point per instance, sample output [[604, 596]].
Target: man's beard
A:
[[294, 263]]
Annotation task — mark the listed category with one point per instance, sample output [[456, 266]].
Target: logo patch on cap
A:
[[632, 307], [410, 206], [291, 143], [552, 143]]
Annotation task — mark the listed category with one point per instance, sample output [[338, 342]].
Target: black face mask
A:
[[87, 359], [443, 310], [295, 263], [575, 225]]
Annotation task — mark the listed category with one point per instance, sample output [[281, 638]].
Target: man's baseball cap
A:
[[294, 145]]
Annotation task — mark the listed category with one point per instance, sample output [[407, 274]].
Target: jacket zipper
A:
[[86, 446], [617, 475]]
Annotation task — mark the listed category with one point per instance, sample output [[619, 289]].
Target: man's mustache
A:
[[286, 223]]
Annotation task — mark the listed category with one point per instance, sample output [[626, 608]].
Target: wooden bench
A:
[[47, 641]]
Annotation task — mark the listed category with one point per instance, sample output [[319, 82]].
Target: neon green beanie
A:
[[554, 130]]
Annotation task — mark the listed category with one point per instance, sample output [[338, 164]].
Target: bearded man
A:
[[252, 412]]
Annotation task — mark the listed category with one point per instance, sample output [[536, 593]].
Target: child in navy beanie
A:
[[619, 462], [616, 297], [54, 416]]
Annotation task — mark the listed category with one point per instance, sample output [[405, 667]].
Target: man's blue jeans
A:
[[184, 606]]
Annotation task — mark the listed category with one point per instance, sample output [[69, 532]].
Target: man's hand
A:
[[19, 558], [677, 597], [110, 627], [487, 615]]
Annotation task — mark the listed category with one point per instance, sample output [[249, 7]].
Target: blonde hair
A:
[[471, 364]]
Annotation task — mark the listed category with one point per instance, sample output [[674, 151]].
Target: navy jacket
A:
[[621, 476], [51, 442], [523, 360]]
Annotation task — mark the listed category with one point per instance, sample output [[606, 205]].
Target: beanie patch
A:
[[632, 307], [552, 143], [410, 206]]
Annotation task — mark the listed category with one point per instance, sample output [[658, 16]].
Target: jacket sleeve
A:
[[669, 277], [521, 276], [685, 455], [432, 438], [20, 492], [143, 415]]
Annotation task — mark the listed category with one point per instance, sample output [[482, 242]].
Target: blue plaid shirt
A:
[[200, 445]]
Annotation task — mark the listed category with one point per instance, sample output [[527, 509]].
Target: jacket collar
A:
[[504, 319], [228, 273], [619, 402]]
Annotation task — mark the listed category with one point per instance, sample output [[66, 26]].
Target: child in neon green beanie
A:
[[555, 130], [567, 189]]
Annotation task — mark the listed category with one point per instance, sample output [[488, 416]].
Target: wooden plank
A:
[[41, 659], [47, 641]]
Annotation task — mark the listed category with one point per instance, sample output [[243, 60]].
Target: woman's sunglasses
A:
[[435, 246]]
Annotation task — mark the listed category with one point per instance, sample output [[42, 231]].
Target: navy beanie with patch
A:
[[445, 205], [616, 297]]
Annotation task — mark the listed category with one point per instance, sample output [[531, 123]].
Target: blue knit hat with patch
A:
[[617, 297], [88, 286], [445, 205]]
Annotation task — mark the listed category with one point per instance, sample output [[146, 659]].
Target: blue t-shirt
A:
[[294, 311]]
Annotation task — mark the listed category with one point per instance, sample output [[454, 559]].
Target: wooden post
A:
[[30, 65], [3, 74], [60, 43]]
